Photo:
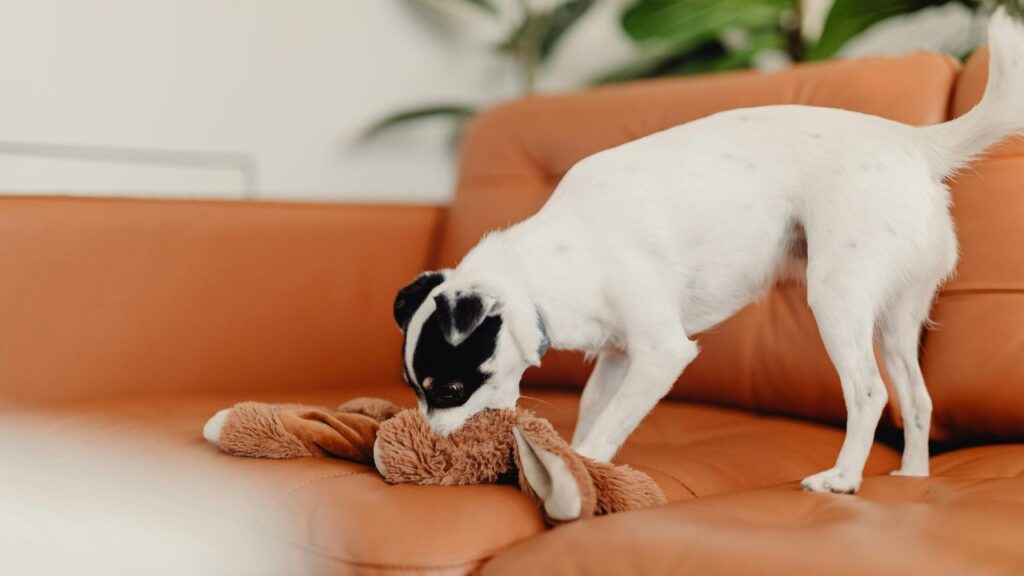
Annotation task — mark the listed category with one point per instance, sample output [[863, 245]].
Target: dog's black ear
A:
[[410, 297], [460, 313]]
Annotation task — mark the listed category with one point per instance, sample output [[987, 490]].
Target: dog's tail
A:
[[1001, 111]]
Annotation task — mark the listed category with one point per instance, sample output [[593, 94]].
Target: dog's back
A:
[[725, 204]]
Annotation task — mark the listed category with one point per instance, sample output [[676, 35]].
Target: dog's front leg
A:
[[653, 368], [604, 381]]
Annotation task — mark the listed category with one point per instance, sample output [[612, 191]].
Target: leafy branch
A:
[[529, 45]]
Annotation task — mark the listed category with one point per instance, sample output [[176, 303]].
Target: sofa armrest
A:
[[118, 297]]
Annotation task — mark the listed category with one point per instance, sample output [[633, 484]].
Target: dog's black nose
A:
[[449, 391]]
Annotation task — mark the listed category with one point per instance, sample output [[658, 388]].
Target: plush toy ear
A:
[[461, 312], [550, 470], [409, 298]]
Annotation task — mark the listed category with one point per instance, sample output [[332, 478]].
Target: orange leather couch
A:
[[125, 324]]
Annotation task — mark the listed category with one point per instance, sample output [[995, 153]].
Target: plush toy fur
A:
[[499, 446]]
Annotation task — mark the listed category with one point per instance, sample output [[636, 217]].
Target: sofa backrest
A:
[[769, 357], [973, 357], [108, 298]]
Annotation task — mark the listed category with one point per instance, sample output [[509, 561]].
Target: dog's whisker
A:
[[542, 401]]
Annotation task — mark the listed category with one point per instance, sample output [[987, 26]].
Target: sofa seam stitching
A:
[[670, 475], [976, 291], [288, 492]]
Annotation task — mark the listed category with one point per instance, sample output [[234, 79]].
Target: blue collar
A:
[[545, 339]]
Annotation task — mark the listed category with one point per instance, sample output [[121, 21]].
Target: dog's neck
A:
[[535, 281], [545, 337]]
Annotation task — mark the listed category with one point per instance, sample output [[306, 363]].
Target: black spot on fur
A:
[[409, 298], [454, 370], [798, 242], [461, 317]]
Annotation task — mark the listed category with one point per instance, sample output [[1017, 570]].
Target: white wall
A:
[[264, 98], [133, 96]]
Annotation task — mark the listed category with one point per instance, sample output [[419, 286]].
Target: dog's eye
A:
[[449, 391]]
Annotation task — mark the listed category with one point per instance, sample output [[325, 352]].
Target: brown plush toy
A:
[[497, 446]]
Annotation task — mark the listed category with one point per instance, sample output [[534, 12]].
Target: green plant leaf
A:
[[847, 18], [664, 60], [688, 23], [456, 112], [1014, 7], [560, 20], [681, 36], [732, 60], [483, 4]]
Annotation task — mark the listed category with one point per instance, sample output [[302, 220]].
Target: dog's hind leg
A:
[[900, 330], [841, 296]]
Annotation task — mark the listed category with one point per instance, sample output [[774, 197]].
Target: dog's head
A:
[[463, 350]]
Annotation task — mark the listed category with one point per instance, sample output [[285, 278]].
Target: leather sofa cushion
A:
[[319, 515], [695, 450], [768, 358], [337, 517], [894, 526], [973, 358], [993, 461]]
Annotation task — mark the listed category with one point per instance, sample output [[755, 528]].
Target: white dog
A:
[[647, 244]]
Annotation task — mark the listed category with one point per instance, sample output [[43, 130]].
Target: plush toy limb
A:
[[621, 487], [572, 486], [342, 435], [291, 431], [376, 408], [253, 429]]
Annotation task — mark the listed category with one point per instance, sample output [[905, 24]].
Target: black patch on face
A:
[[454, 371], [408, 300]]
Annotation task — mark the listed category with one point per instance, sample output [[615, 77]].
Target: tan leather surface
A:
[[994, 461], [974, 357], [106, 297], [340, 516], [893, 526], [693, 450], [768, 358]]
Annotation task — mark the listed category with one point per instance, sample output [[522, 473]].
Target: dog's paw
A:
[[213, 427], [832, 480]]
